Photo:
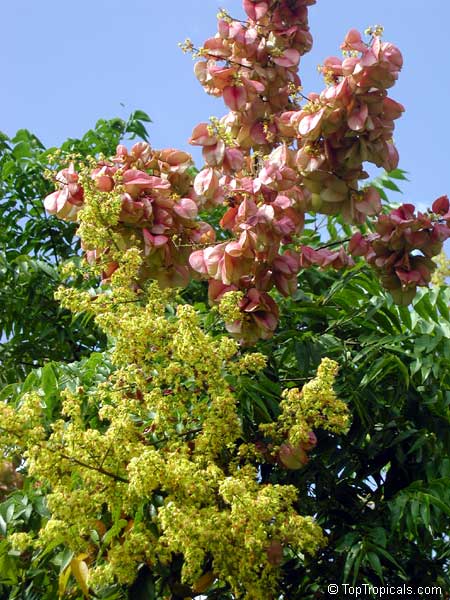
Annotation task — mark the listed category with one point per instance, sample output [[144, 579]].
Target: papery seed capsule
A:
[[292, 457], [316, 201]]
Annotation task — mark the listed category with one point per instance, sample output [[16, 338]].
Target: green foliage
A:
[[33, 328], [382, 490], [387, 182]]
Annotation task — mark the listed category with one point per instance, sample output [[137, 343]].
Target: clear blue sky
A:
[[64, 65]]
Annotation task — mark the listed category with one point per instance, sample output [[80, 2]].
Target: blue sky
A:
[[64, 65]]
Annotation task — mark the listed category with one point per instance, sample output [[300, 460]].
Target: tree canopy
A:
[[241, 386]]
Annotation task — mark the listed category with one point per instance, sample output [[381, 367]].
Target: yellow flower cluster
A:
[[442, 272], [315, 406], [20, 541], [159, 470], [229, 306], [100, 213], [375, 30], [220, 130]]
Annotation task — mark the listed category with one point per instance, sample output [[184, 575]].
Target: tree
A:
[[181, 461]]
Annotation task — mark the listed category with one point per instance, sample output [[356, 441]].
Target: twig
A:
[[97, 469], [335, 243]]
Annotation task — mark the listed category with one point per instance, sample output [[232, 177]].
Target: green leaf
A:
[[9, 513], [8, 168], [374, 561], [22, 150], [390, 185], [47, 268], [8, 390], [31, 381], [356, 567], [140, 115], [382, 193], [355, 551], [9, 573], [438, 503], [390, 558], [48, 380], [425, 512], [2, 526], [137, 129], [398, 174], [192, 171], [378, 534], [64, 559]]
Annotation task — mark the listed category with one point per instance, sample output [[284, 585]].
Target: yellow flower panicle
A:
[[442, 272], [316, 406]]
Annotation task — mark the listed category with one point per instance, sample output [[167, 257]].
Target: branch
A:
[[97, 469], [335, 243]]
